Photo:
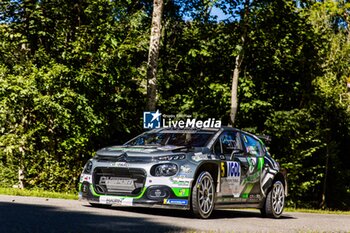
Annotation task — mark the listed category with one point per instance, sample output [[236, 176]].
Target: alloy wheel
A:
[[278, 197]]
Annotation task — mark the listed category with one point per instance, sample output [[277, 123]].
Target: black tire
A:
[[262, 210], [203, 195], [275, 201]]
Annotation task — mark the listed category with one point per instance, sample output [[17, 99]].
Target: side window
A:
[[252, 145], [226, 143]]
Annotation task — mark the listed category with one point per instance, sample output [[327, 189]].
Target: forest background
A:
[[73, 78]]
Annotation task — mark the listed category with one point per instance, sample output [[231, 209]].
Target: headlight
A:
[[165, 169], [88, 167]]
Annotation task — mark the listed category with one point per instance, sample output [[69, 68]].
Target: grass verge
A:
[[315, 211], [38, 193]]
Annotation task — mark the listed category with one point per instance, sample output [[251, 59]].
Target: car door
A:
[[226, 148], [252, 161]]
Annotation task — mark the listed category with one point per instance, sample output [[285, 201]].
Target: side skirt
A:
[[237, 206]]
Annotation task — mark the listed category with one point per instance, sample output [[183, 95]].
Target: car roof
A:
[[222, 128], [196, 130]]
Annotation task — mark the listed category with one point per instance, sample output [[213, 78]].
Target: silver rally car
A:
[[198, 170]]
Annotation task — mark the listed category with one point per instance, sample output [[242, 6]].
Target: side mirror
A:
[[236, 152]]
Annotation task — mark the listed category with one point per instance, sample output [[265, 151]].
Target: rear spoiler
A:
[[265, 138]]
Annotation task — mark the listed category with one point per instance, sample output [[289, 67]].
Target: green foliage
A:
[[38, 193], [67, 75], [73, 79]]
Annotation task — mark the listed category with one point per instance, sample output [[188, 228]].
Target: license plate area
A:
[[117, 184]]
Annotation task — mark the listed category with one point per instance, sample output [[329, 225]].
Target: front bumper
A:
[[161, 196]]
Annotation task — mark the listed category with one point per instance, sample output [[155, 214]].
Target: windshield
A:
[[175, 138]]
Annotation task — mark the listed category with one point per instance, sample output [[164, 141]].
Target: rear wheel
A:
[[203, 195], [274, 202]]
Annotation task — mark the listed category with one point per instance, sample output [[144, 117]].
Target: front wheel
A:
[[203, 195], [274, 202]]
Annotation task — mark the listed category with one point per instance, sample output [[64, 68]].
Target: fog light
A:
[[157, 193]]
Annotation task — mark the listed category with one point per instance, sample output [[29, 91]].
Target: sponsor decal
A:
[[185, 169], [181, 192], [252, 162], [127, 149], [254, 196], [230, 169], [234, 185], [84, 177], [230, 200], [120, 164], [116, 200], [232, 178], [185, 182], [175, 202], [113, 183], [153, 120], [199, 156], [233, 169]]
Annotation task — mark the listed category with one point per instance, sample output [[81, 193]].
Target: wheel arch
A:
[[282, 176], [212, 168], [202, 170]]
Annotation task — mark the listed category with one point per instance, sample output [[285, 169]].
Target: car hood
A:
[[135, 151]]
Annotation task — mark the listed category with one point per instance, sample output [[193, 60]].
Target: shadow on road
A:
[[243, 214], [217, 214], [20, 218]]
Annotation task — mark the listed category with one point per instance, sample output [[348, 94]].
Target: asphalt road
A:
[[30, 214]]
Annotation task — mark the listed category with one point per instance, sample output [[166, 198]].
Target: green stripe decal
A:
[[181, 192], [247, 190], [260, 163], [93, 191]]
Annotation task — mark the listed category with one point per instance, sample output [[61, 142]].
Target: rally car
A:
[[192, 169]]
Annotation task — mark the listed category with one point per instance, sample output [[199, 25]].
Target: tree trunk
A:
[[153, 54], [21, 174], [347, 20], [234, 88], [323, 204], [238, 62], [20, 177]]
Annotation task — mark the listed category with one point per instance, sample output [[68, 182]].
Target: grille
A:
[[119, 181]]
